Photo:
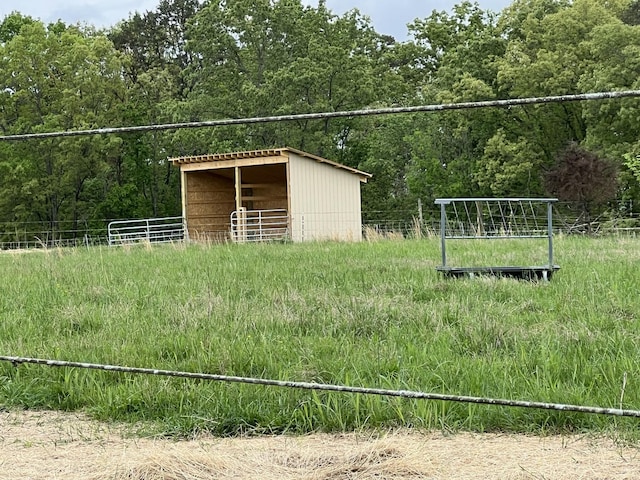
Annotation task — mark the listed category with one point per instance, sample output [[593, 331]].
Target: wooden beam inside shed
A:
[[238, 188]]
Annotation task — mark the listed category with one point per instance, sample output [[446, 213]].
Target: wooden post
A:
[[238, 175], [183, 193]]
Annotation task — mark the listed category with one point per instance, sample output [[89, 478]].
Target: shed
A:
[[270, 194]]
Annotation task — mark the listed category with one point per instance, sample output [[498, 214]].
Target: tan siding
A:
[[325, 201]]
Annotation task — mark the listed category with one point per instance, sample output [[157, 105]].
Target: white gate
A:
[[152, 230], [259, 225]]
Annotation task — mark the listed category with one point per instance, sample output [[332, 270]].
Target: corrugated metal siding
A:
[[325, 201]]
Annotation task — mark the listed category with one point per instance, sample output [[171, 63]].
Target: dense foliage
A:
[[190, 60]]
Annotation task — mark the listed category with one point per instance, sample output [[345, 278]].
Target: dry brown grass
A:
[[371, 234], [50, 445], [271, 458]]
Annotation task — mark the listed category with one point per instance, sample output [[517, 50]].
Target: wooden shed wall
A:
[[210, 199], [268, 197], [325, 201]]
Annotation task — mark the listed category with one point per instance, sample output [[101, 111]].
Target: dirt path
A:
[[51, 445]]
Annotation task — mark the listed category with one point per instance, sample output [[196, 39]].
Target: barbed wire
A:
[[16, 361], [325, 115]]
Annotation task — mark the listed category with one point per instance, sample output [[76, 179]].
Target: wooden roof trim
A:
[[213, 157]]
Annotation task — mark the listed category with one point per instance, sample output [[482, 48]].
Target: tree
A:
[[457, 54], [510, 168], [189, 60], [452, 44], [633, 163], [156, 41], [612, 126], [582, 177], [154, 44], [266, 57], [545, 56], [55, 78], [11, 26], [631, 15], [385, 151]]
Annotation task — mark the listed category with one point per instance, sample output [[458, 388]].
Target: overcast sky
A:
[[388, 16]]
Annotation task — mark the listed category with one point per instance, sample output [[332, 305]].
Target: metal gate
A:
[[152, 230], [259, 225]]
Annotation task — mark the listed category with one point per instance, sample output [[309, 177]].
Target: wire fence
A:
[[35, 234], [376, 224], [567, 220]]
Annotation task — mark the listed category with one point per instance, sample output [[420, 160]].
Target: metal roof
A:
[[272, 152]]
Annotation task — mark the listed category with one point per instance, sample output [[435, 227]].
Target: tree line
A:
[[189, 60]]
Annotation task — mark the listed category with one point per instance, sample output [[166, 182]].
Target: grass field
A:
[[374, 314]]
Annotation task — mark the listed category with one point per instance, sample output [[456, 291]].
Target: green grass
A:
[[370, 314]]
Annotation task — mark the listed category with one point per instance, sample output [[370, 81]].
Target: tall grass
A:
[[373, 314]]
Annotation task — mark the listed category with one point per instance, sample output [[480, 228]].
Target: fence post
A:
[[550, 231], [443, 233]]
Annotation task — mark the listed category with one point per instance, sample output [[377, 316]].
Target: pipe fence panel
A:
[[152, 230], [259, 225]]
